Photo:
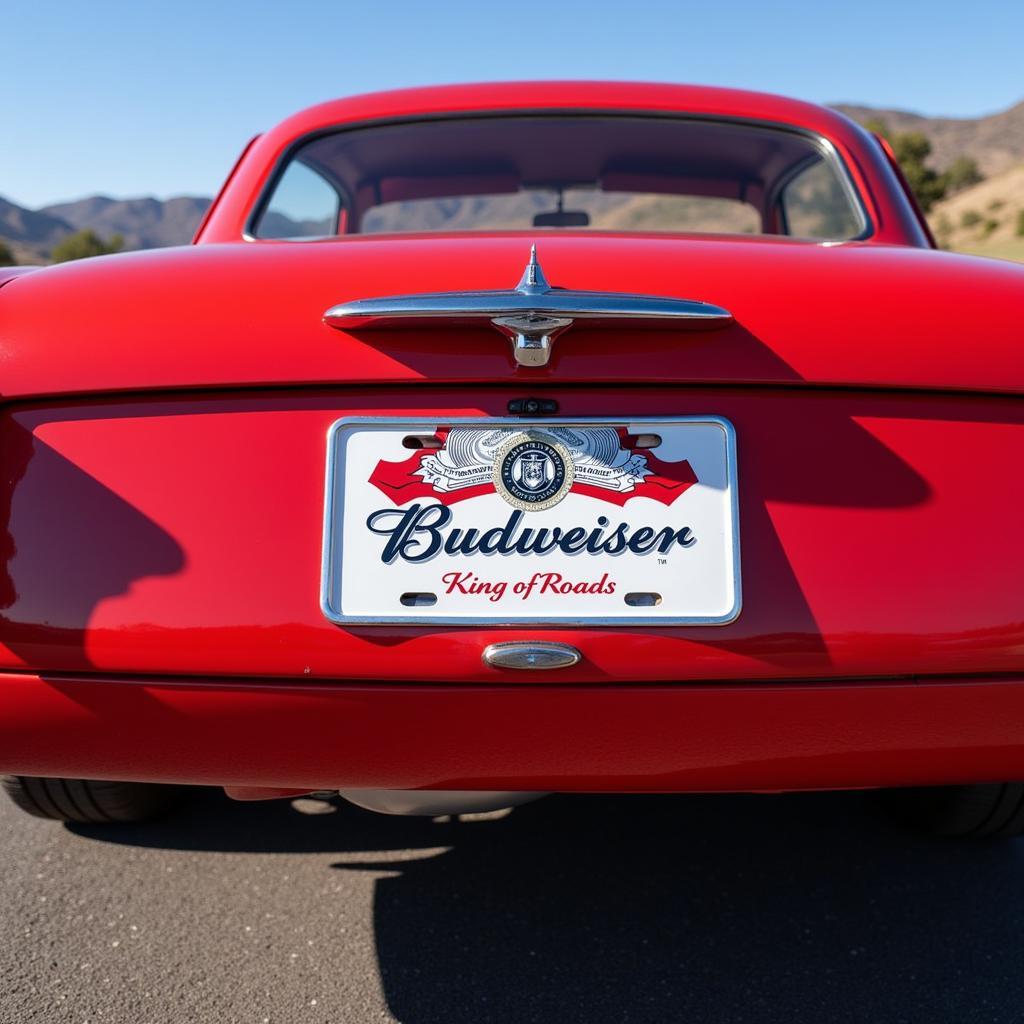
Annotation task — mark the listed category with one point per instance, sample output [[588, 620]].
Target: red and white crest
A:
[[599, 462]]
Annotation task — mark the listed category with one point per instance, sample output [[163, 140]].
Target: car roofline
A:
[[878, 189]]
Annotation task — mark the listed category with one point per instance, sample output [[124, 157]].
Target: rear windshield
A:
[[559, 172]]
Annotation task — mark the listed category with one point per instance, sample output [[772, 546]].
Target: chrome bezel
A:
[[331, 551]]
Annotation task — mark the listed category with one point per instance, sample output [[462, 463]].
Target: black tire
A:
[[89, 802], [982, 811]]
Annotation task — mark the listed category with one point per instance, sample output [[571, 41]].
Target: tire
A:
[[89, 802], [981, 811]]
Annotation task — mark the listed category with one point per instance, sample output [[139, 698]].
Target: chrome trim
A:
[[414, 425], [531, 655], [531, 316]]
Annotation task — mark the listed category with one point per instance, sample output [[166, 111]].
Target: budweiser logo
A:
[[420, 532], [533, 468]]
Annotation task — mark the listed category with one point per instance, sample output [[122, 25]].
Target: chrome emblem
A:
[[533, 472], [533, 332]]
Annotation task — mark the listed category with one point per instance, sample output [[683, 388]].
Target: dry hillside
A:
[[987, 219], [995, 141]]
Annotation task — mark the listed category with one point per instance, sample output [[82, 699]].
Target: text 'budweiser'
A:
[[420, 532]]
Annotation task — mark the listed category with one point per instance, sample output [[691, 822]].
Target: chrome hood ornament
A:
[[531, 316]]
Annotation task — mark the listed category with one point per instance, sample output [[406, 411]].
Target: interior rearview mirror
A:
[[562, 219]]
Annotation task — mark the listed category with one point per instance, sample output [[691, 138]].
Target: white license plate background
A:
[[698, 585]]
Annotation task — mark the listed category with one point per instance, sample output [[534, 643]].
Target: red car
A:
[[498, 440]]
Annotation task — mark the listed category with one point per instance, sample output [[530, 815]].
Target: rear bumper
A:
[[582, 738]]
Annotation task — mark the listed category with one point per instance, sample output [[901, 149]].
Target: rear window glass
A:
[[558, 173], [812, 205], [577, 207], [303, 205]]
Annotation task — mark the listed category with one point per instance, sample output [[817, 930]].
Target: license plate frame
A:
[[332, 597]]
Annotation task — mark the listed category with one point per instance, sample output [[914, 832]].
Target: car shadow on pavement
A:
[[690, 908]]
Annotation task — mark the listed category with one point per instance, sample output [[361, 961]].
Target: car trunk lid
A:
[[183, 536], [252, 315]]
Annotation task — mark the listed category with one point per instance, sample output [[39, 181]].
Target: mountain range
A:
[[995, 141], [145, 223]]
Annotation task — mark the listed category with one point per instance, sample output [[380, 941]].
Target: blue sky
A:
[[158, 98]]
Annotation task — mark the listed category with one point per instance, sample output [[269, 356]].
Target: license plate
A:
[[505, 521]]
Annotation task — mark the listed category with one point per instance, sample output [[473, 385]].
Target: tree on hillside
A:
[[962, 173], [6, 256], [912, 150], [83, 244]]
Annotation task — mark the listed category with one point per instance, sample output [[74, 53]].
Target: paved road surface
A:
[[591, 909]]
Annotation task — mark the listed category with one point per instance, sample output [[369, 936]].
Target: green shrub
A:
[[970, 218], [912, 150], [6, 256], [83, 244], [1020, 223], [962, 173]]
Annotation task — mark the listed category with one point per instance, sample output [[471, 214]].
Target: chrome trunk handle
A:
[[531, 315]]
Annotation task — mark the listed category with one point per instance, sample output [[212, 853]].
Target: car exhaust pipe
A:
[[436, 802]]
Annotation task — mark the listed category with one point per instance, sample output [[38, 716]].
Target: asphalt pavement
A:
[[702, 908]]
